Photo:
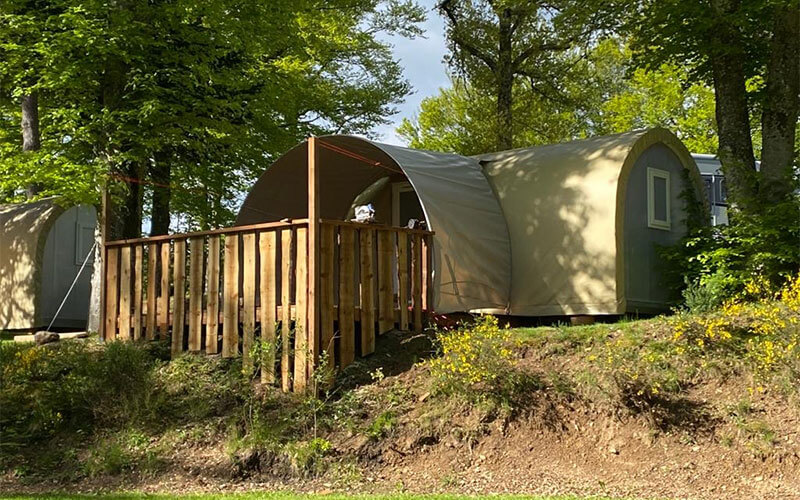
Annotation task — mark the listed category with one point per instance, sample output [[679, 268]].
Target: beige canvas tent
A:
[[42, 247], [556, 230]]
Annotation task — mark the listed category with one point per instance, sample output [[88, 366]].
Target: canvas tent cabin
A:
[[566, 229], [585, 219], [42, 248]]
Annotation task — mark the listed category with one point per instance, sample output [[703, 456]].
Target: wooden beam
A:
[[287, 270], [346, 295], [111, 288], [248, 301], [416, 281], [195, 294], [152, 280], [225, 230], [178, 297], [402, 278], [301, 361], [212, 296], [138, 261], [163, 299], [367, 268], [313, 337], [385, 284], [267, 312], [230, 306], [125, 294]]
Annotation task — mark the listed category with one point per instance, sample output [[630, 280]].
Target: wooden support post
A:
[[326, 292], [212, 298], [178, 297], [163, 299], [195, 294], [346, 295], [367, 269], [269, 320], [138, 262], [301, 361], [249, 301], [230, 306], [110, 313], [416, 281], [104, 210], [313, 336], [427, 278], [287, 268], [125, 294], [402, 278], [385, 285], [152, 278]]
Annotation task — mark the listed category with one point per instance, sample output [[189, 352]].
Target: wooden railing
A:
[[245, 287]]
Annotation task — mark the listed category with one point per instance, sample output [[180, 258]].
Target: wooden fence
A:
[[250, 289]]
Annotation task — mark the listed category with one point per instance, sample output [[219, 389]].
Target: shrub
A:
[[474, 359]]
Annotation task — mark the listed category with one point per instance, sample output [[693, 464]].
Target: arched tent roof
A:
[[565, 207], [472, 259], [23, 234]]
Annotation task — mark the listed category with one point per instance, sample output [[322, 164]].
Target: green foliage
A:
[[598, 98], [382, 425], [211, 89], [307, 456]]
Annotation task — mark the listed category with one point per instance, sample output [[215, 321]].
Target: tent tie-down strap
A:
[[71, 286]]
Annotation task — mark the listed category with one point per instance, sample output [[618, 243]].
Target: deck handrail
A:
[[197, 234]]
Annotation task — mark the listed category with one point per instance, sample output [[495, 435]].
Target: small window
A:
[[658, 199]]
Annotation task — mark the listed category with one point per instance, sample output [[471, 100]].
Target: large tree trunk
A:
[[779, 118], [505, 84], [733, 117], [160, 173], [31, 137]]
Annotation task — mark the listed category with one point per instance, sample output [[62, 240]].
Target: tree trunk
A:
[[160, 173], [31, 137], [732, 113], [505, 84], [779, 118]]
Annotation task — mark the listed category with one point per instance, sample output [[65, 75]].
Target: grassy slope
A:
[[571, 400]]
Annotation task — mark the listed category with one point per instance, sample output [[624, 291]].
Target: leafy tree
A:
[[750, 51], [498, 44], [179, 104]]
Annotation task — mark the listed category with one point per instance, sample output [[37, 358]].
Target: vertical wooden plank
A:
[[163, 299], [152, 278], [287, 268], [138, 259], [427, 277], [301, 344], [212, 299], [416, 280], [326, 294], [366, 236], [195, 294], [267, 249], [312, 332], [402, 278], [125, 294], [385, 285], [230, 306], [346, 295], [111, 289], [248, 301], [105, 199], [178, 297]]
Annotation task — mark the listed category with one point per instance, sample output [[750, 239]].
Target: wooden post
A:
[[301, 358], [416, 280], [137, 291], [230, 305], [366, 235], [248, 301], [125, 294], [212, 299], [346, 295], [195, 293], [267, 247], [178, 297], [326, 292], [312, 332], [287, 269], [402, 278], [152, 277], [103, 258], [385, 286]]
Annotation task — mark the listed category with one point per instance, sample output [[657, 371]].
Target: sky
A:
[[422, 64]]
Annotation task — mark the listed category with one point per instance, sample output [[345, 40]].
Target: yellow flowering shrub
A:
[[762, 324], [473, 356]]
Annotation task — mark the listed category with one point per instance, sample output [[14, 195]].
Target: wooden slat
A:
[[402, 278], [326, 285], [212, 296], [125, 294], [230, 307], [163, 298], [178, 297], [248, 301], [427, 276], [267, 249], [111, 298], [416, 281], [195, 294], [287, 269], [216, 232], [311, 330], [301, 310], [346, 295], [385, 285], [152, 278], [366, 259], [137, 291]]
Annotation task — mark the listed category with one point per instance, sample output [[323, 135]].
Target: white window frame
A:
[[397, 188], [652, 174]]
